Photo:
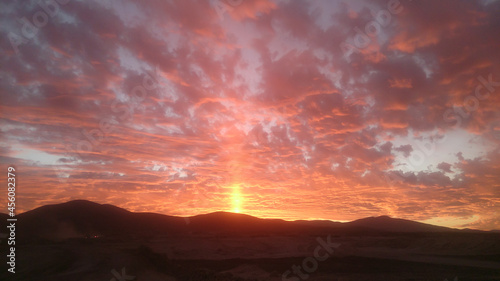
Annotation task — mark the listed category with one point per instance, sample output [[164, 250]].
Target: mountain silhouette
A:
[[388, 224], [86, 219]]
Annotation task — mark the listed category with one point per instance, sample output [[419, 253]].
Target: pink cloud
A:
[[262, 99]]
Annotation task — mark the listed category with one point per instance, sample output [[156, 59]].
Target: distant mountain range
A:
[[86, 219]]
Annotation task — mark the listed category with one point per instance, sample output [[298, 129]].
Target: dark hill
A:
[[85, 219], [388, 224]]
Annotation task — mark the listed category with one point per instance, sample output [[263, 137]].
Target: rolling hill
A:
[[81, 218]]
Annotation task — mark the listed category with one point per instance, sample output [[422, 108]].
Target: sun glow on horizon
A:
[[236, 199]]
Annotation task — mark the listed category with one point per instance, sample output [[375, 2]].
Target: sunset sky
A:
[[286, 109]]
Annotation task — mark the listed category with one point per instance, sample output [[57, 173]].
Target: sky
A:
[[334, 110]]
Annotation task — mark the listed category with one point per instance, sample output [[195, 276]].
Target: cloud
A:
[[405, 149], [446, 167], [180, 107]]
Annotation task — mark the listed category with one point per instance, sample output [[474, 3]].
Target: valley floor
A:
[[391, 257]]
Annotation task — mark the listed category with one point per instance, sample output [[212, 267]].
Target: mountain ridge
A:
[[83, 218]]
